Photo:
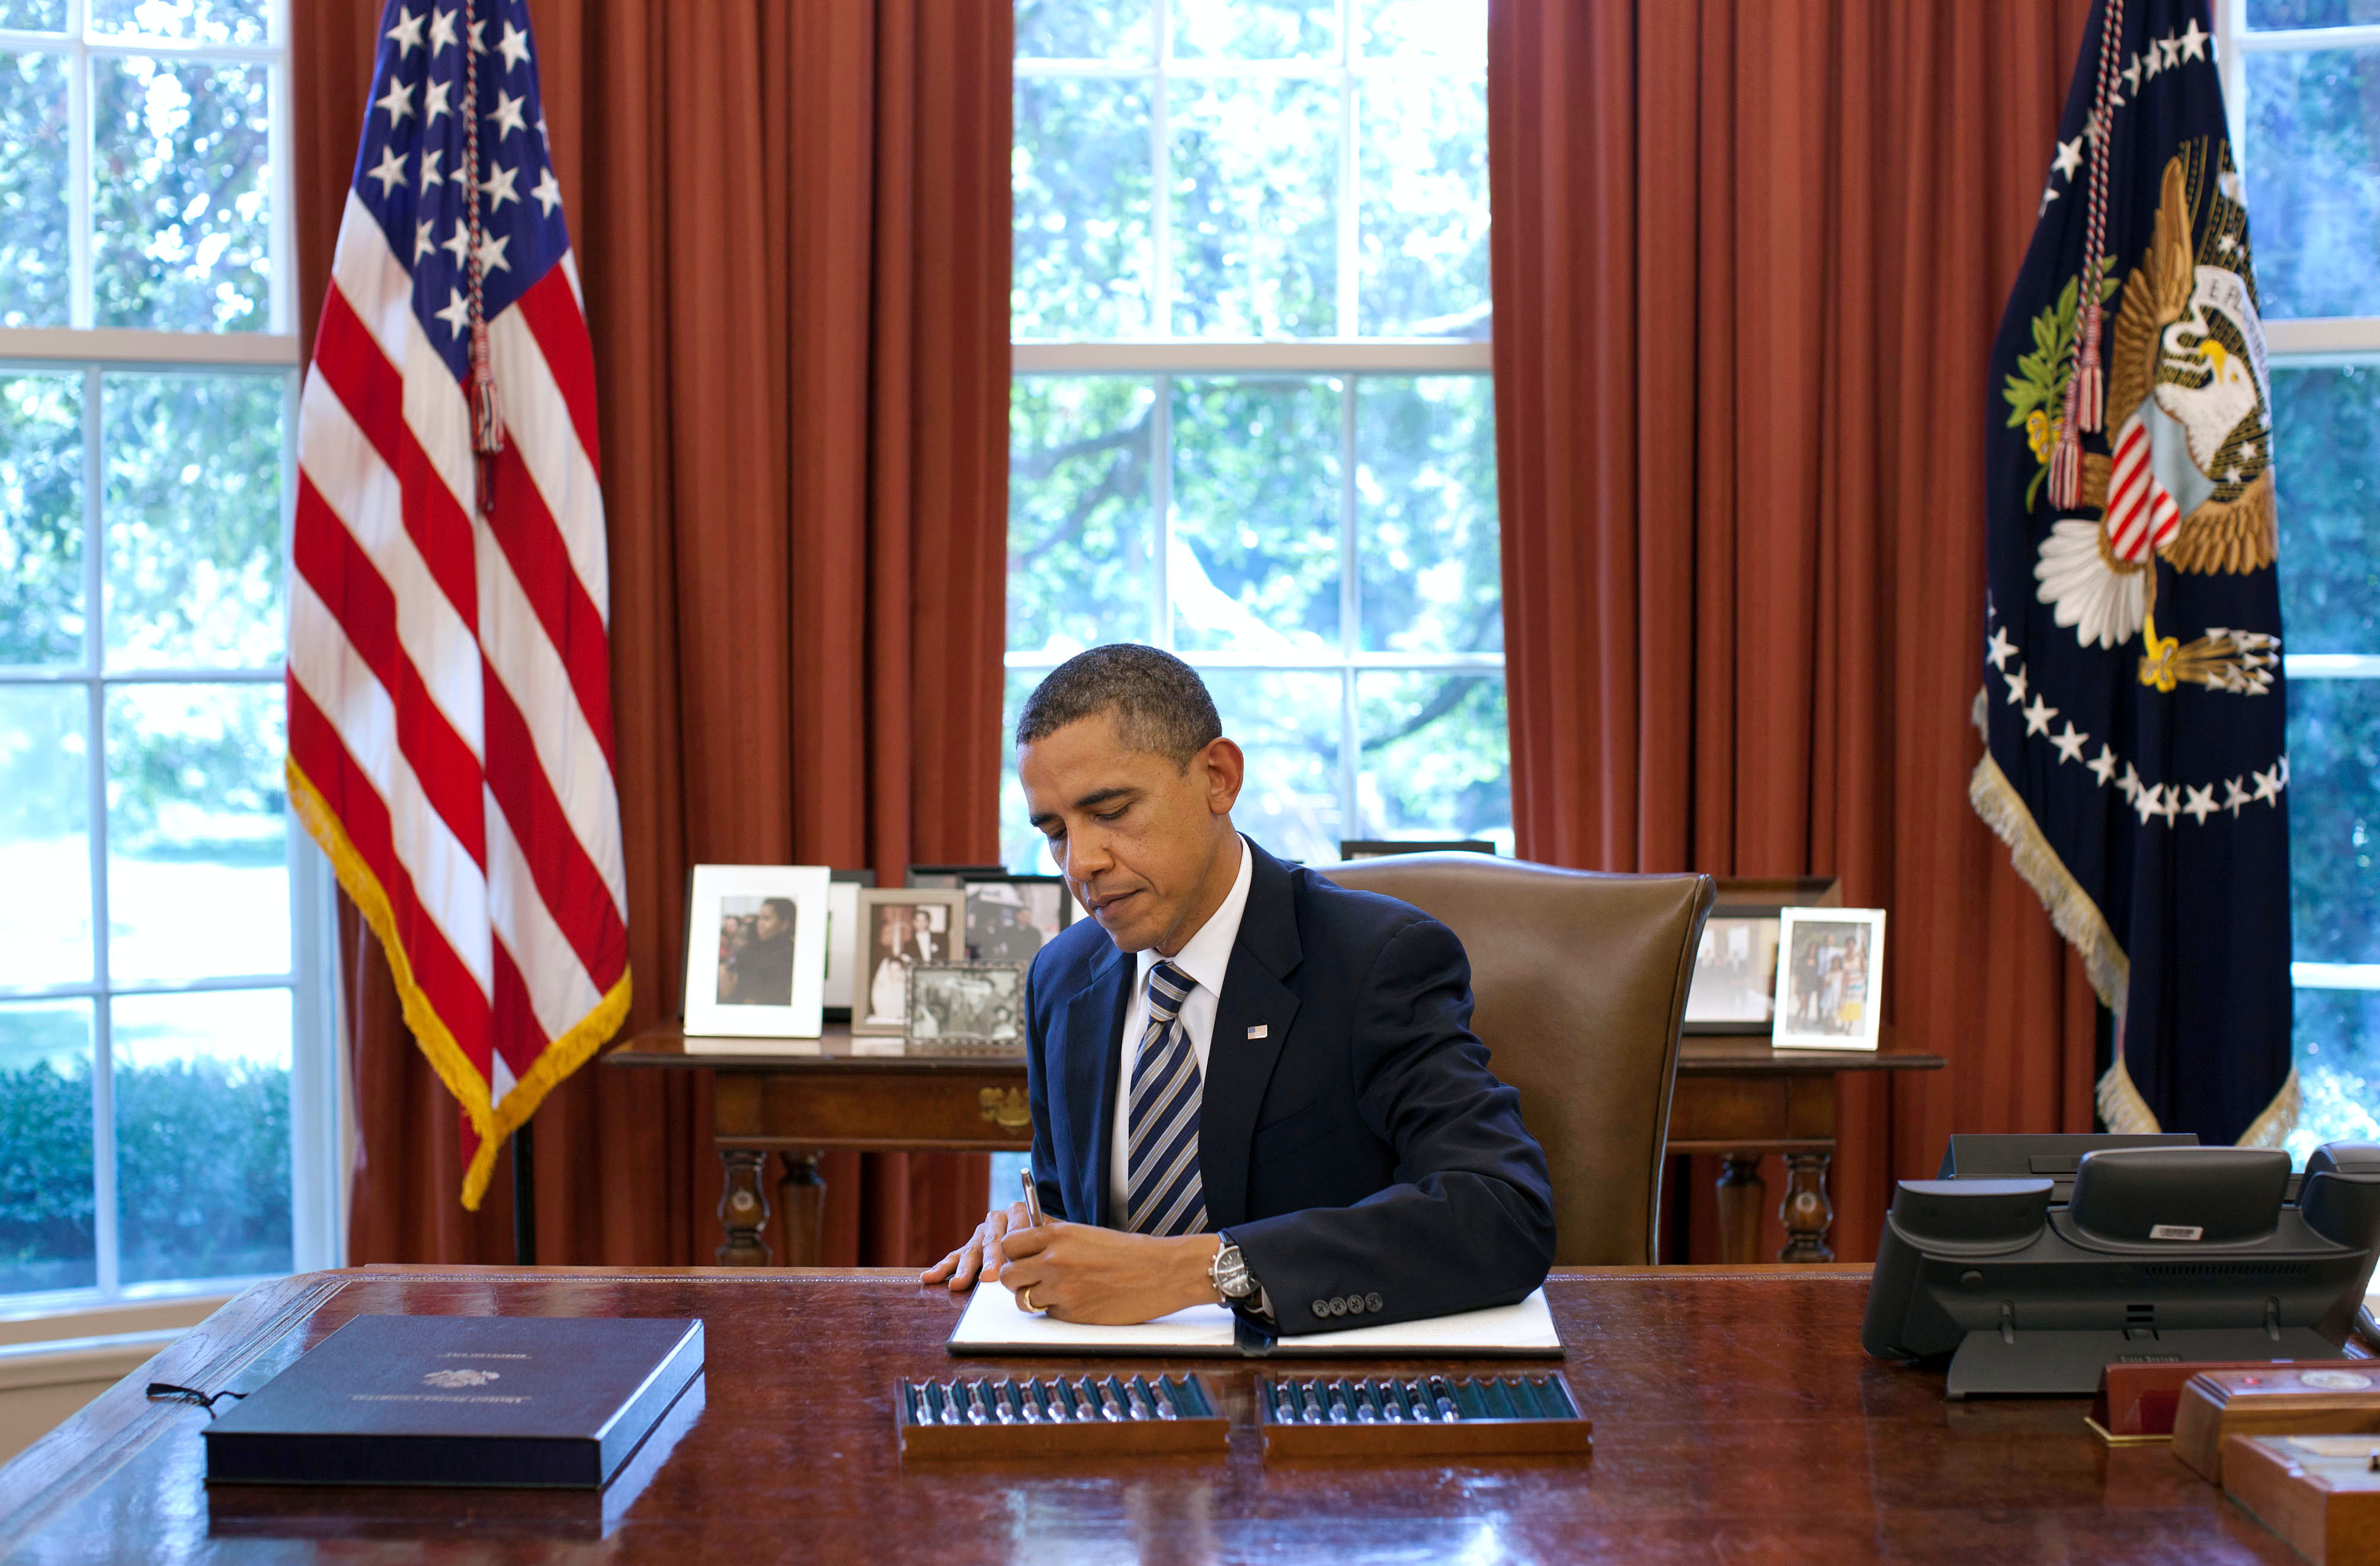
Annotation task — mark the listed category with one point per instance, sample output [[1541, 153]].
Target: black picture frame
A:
[[1382, 848], [1041, 896]]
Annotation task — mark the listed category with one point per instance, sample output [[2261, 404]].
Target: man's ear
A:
[[1225, 770]]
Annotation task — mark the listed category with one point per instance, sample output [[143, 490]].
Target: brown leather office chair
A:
[[1580, 982]]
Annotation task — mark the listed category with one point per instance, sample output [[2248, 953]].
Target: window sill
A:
[[89, 1323]]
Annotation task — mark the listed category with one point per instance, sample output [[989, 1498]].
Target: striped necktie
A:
[[1165, 1195]]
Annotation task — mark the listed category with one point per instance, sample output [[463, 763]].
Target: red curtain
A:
[[791, 221], [1749, 256]]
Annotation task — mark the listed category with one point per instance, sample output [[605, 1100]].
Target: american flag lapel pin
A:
[[1261, 1030]]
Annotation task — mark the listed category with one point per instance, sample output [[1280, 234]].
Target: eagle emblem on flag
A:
[[2133, 704]]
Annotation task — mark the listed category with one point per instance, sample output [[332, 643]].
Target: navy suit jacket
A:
[[1369, 1164]]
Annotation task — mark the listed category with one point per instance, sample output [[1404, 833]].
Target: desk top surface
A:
[[838, 1051], [1735, 1419]]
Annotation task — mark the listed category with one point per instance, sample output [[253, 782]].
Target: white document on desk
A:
[[994, 1324]]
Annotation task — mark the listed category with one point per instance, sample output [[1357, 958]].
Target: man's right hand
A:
[[980, 1257]]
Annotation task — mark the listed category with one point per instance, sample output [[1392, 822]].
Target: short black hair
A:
[[1161, 705]]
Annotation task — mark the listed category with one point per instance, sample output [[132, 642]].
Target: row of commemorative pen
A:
[[1424, 1400], [1087, 1400]]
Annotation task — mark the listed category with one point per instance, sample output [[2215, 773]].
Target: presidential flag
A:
[[2132, 699], [450, 707]]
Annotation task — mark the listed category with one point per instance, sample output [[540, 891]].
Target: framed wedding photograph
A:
[[966, 1002], [1010, 919], [1829, 978], [756, 951], [895, 930], [1734, 984]]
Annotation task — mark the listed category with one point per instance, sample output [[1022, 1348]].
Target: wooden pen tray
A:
[[995, 1418], [1420, 1417]]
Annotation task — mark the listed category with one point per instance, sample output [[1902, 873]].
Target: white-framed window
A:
[[1252, 419], [168, 1083], [2301, 85]]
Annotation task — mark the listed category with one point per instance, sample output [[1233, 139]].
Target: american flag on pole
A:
[[450, 706]]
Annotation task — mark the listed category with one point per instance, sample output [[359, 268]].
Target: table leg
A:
[[801, 1201], [1808, 1212], [743, 1209], [1741, 1196]]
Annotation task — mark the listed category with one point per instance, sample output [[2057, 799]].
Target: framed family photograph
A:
[[1734, 984], [966, 1002], [1010, 919], [898, 927], [1829, 978], [756, 951]]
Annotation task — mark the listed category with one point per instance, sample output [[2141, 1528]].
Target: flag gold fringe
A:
[[491, 1122], [2079, 920], [2121, 1106], [2070, 909]]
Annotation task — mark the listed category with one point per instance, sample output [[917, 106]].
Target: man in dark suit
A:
[[1248, 1085]]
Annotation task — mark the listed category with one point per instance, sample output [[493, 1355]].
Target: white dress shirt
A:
[[1205, 957]]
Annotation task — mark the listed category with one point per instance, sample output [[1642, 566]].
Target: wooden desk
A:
[[1735, 1419], [1735, 1096]]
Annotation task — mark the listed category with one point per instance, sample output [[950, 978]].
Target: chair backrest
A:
[[1579, 984]]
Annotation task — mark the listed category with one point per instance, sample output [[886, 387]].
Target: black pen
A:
[[1387, 1394], [1366, 1413], [1443, 1394]]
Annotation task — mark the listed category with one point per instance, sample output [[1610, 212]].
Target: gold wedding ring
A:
[[1024, 1296]]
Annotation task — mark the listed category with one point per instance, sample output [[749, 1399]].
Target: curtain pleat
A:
[[791, 224], [1748, 261]]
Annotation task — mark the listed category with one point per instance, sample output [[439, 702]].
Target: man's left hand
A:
[[1081, 1272]]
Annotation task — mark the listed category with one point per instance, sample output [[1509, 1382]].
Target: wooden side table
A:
[[1742, 1099], [800, 1097]]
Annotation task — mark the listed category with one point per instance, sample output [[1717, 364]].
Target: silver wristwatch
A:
[[1229, 1274]]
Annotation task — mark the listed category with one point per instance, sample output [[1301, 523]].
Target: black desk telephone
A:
[[2154, 1249]]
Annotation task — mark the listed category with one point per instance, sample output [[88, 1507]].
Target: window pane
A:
[[41, 519], [1256, 29], [1289, 726], [201, 1134], [2326, 442], [2334, 798], [1081, 526], [47, 1238], [1427, 540], [1452, 30], [1080, 237], [33, 213], [1022, 849], [44, 836], [1424, 247], [2314, 180], [1254, 566], [2338, 1070], [1255, 203], [197, 877], [2274, 15], [203, 21], [1437, 761], [180, 196], [192, 510], [33, 16], [1082, 30]]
